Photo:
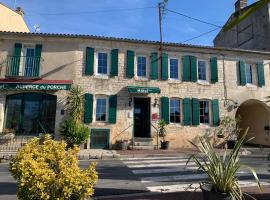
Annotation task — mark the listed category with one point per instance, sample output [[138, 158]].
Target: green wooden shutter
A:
[[215, 110], [112, 108], [242, 73], [36, 69], [164, 67], [214, 70], [260, 72], [88, 108], [186, 68], [114, 62], [193, 68], [165, 106], [130, 64], [195, 112], [15, 67], [154, 66], [89, 66], [187, 111]]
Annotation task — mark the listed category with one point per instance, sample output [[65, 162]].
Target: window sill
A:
[[252, 86], [144, 79], [175, 124], [201, 82], [205, 125], [174, 81], [100, 76], [100, 123]]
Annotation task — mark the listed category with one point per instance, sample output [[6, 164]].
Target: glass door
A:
[[29, 61]]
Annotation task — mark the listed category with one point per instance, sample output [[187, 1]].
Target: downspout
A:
[[224, 80]]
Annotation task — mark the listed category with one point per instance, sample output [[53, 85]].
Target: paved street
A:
[[145, 174]]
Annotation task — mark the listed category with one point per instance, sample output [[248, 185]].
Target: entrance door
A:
[[142, 117]]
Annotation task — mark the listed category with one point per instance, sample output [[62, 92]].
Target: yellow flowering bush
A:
[[48, 172]]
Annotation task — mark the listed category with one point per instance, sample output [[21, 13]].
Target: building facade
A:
[[129, 85], [12, 20], [252, 33]]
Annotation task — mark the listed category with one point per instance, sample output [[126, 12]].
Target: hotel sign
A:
[[32, 86], [143, 90]]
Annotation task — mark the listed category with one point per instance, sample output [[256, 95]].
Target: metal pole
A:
[[160, 6]]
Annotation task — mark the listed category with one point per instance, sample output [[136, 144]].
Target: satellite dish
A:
[[37, 28]]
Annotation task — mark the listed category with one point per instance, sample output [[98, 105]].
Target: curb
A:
[[125, 195]]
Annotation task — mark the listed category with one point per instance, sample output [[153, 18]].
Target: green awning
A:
[[143, 90]]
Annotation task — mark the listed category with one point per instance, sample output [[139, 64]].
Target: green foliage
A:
[[74, 132], [247, 13], [162, 129], [48, 171], [76, 102], [221, 169], [229, 128]]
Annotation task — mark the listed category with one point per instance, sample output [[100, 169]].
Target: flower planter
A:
[[122, 145], [164, 145], [209, 194]]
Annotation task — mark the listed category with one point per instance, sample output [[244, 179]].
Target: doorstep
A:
[[86, 154]]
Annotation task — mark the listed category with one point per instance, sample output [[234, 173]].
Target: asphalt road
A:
[[140, 175]]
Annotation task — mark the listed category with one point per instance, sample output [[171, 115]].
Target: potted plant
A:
[[221, 170], [229, 130], [121, 144], [162, 133]]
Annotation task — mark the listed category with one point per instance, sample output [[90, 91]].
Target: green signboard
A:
[[143, 90], [33, 86]]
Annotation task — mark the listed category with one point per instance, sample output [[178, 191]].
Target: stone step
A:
[[143, 143], [142, 139], [142, 147]]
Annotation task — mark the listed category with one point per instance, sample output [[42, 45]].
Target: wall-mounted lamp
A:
[[129, 101], [267, 130], [155, 102], [230, 102]]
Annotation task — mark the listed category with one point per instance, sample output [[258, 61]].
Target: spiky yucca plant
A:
[[221, 169], [76, 103]]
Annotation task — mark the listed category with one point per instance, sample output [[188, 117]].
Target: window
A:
[[202, 70], [29, 62], [174, 71], [175, 114], [101, 109], [141, 66], [249, 73], [102, 67], [204, 112]]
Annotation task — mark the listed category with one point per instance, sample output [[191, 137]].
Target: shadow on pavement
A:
[[8, 188]]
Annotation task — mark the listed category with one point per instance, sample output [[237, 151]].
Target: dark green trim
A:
[[16, 60], [114, 62], [186, 68], [164, 67], [36, 70], [88, 108], [112, 109], [260, 73], [195, 112], [154, 66], [93, 145], [242, 73], [187, 111], [165, 109], [214, 69], [193, 69], [215, 110], [130, 64], [32, 86], [143, 90], [89, 63]]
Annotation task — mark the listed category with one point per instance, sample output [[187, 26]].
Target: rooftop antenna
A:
[[37, 28], [15, 4]]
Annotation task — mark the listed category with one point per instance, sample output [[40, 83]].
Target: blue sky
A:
[[85, 17]]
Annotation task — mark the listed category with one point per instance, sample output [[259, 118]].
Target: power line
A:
[[92, 12], [198, 36]]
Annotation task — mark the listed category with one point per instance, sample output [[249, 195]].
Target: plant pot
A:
[[231, 144], [209, 194], [122, 145], [164, 145]]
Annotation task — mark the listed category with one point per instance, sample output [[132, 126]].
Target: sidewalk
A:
[[187, 195]]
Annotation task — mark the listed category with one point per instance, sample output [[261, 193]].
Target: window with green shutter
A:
[[16, 60], [260, 73], [165, 102], [130, 64], [214, 70], [112, 108], [154, 66], [187, 111], [114, 62], [89, 63], [164, 67], [88, 108], [195, 112], [186, 68], [36, 69], [215, 112], [242, 73], [193, 68]]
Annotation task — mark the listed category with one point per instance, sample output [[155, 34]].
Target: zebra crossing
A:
[[172, 174]]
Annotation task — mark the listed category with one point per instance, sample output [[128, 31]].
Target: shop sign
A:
[[143, 90], [155, 117], [30, 86]]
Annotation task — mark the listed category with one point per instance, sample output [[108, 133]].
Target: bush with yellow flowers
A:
[[48, 171]]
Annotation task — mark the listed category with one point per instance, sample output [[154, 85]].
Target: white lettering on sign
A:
[[142, 91]]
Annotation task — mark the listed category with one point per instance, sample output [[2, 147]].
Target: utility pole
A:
[[161, 13]]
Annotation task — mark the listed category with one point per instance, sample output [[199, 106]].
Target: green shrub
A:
[[48, 171], [74, 132]]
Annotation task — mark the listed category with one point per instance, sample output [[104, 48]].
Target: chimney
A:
[[240, 4], [20, 11]]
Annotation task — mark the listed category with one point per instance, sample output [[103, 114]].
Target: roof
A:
[[130, 40]]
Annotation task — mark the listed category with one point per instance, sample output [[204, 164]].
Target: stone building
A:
[[12, 20], [252, 33], [127, 90]]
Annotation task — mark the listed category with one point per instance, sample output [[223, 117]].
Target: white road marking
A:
[[156, 161], [173, 178], [163, 170], [154, 158], [161, 165]]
